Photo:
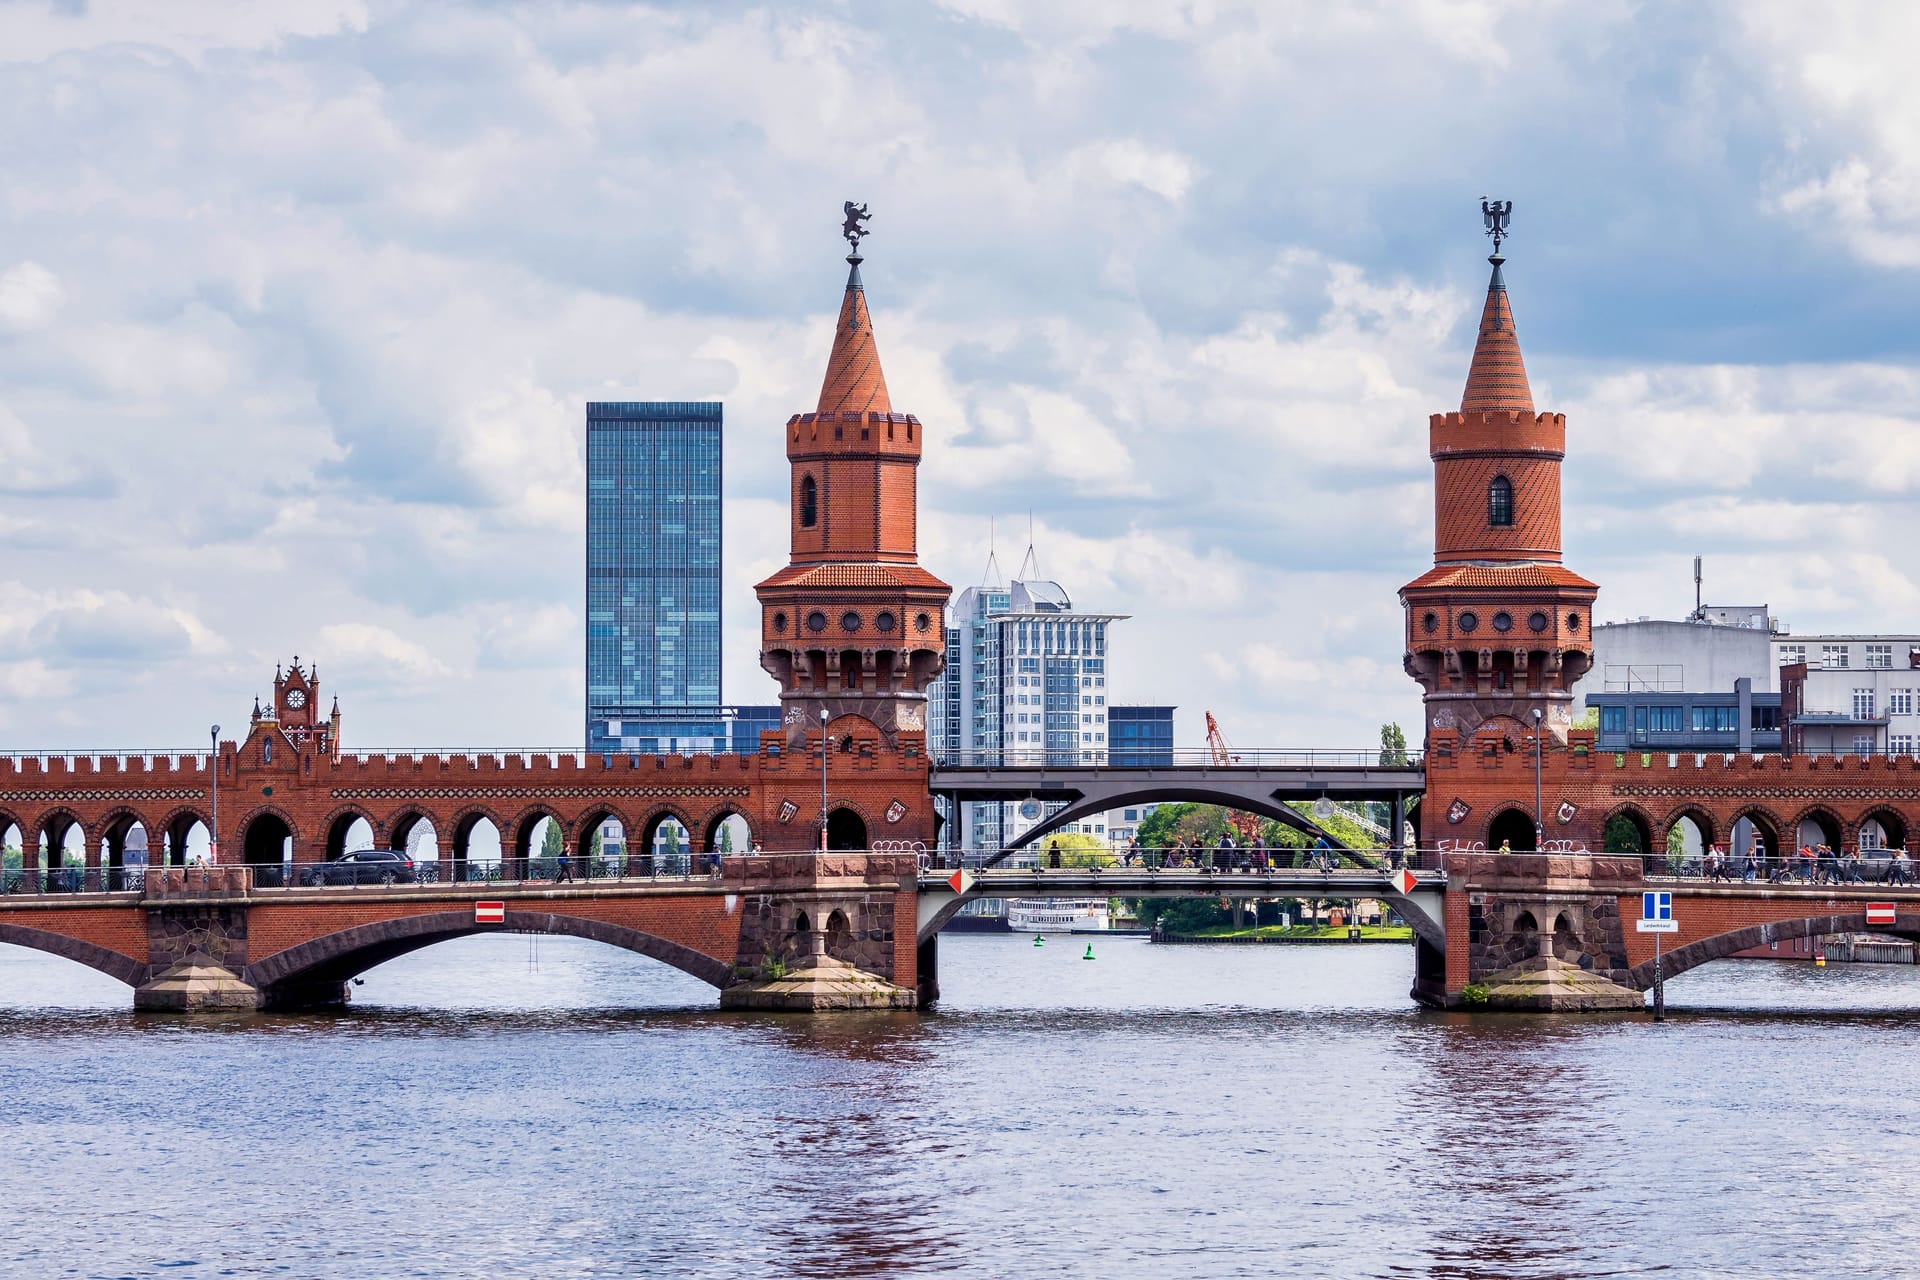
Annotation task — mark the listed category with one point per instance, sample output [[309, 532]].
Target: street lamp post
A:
[[1539, 818], [823, 779], [213, 792]]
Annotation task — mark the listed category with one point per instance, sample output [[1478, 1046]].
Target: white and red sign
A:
[[961, 882], [489, 913], [1403, 880], [1879, 913]]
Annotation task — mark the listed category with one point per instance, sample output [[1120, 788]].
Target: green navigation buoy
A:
[[1039, 939], [1089, 954]]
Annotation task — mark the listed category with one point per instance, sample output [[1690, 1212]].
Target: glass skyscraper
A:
[[653, 575]]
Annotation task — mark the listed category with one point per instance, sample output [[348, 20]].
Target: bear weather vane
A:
[[1498, 215], [855, 225]]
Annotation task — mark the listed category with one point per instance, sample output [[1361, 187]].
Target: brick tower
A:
[[853, 625], [1498, 628]]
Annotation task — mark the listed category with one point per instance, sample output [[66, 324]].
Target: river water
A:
[[511, 1106]]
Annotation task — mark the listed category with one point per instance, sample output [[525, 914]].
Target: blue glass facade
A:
[[1139, 735], [653, 576]]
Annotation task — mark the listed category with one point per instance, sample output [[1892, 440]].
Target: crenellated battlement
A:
[[1498, 431], [862, 435]]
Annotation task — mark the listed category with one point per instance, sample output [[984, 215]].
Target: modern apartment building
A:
[[1027, 681]]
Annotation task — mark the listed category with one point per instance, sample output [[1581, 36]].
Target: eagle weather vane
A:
[[855, 226], [1498, 215]]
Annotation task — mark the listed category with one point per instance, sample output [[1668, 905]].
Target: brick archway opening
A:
[[1817, 827], [1883, 828], [846, 830], [117, 837], [1513, 828], [351, 832], [476, 837], [267, 846]]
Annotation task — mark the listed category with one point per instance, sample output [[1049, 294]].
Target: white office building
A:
[[1027, 682]]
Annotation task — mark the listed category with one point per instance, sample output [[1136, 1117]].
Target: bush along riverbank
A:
[[1304, 933]]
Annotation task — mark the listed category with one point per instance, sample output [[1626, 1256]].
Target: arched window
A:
[[1500, 503], [809, 502]]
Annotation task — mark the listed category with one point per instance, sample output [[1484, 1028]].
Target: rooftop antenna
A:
[[1030, 565], [992, 578], [1699, 610]]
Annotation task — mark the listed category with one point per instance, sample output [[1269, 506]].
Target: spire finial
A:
[[1498, 215], [854, 228]]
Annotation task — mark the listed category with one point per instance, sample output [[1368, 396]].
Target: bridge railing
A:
[[1031, 858], [1177, 757], [347, 874]]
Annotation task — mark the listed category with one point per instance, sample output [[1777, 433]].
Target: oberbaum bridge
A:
[[1497, 632]]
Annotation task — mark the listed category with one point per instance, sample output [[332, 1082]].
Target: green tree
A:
[[553, 848], [1156, 830], [726, 838], [1621, 836], [1181, 915], [1393, 745], [670, 842], [1676, 848], [1077, 849]]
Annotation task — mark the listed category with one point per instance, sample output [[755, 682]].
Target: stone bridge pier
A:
[[1535, 932]]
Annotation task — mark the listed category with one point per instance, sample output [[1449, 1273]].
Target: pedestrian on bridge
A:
[[1259, 853], [563, 869], [1223, 852], [1829, 868], [1898, 870]]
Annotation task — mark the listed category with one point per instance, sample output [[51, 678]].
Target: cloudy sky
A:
[[300, 305]]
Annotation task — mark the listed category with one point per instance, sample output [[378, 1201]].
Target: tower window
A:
[[809, 502], [1500, 503]]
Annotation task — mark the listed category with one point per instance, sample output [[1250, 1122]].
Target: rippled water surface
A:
[[506, 1106]]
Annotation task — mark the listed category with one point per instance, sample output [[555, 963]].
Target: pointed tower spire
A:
[[854, 381], [1497, 380]]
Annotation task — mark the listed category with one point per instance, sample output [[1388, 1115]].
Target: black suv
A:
[[366, 866]]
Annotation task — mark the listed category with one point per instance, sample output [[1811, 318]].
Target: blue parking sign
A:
[[1656, 905]]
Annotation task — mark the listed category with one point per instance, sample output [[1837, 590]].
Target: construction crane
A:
[[1245, 825]]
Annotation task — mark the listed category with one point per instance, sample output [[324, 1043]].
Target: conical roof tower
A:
[[853, 626], [1499, 628]]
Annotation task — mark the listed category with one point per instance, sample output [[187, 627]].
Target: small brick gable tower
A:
[[853, 625], [1498, 628]]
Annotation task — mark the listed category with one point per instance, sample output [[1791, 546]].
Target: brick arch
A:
[[1703, 820], [523, 824], [1892, 821], [1764, 818], [650, 822], [1648, 825], [258, 811], [184, 811], [340, 820], [337, 956], [384, 833], [471, 814], [1792, 832], [709, 829], [121, 812], [112, 963], [590, 820], [46, 816], [1706, 950]]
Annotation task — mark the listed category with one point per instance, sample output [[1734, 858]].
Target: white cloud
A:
[[29, 296], [305, 301]]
